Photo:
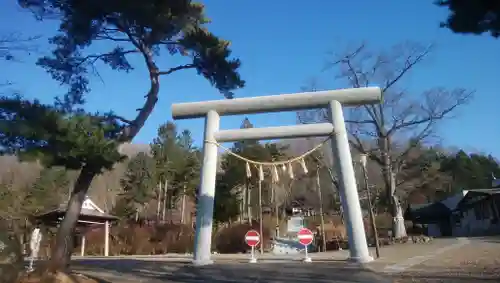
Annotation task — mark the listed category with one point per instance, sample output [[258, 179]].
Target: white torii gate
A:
[[333, 100]]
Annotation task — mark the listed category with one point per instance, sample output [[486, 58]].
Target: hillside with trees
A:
[[158, 183]]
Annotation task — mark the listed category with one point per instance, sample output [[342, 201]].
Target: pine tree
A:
[[178, 163], [472, 16], [48, 192], [138, 184]]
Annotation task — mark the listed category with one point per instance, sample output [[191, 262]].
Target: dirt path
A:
[[477, 261]]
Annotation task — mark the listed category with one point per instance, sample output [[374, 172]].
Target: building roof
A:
[[434, 212], [493, 191], [452, 201], [427, 213], [90, 213], [474, 196]]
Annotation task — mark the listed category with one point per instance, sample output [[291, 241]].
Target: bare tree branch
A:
[[175, 69], [93, 58], [12, 44], [401, 115], [411, 60], [382, 131]]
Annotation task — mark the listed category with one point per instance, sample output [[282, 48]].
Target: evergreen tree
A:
[[164, 150], [138, 185], [48, 192], [234, 169], [226, 202], [472, 16], [240, 145], [474, 171], [178, 162]]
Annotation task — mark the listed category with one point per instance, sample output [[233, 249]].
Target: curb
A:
[[216, 259]]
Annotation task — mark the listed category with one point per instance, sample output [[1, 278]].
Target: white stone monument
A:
[[36, 239]]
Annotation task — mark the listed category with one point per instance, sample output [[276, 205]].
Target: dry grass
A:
[[175, 238], [59, 277]]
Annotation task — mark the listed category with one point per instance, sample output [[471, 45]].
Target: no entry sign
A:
[[305, 236], [252, 238]]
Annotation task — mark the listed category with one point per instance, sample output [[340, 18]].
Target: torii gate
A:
[[333, 100]]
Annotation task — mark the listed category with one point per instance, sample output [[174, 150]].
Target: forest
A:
[[157, 185]]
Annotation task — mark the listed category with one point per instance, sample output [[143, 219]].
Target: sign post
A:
[[252, 238], [305, 238]]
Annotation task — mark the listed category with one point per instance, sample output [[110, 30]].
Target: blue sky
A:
[[283, 44]]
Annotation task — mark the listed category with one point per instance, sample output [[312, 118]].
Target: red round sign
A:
[[252, 238], [305, 236]]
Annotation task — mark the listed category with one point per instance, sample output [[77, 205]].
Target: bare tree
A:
[[323, 159], [12, 46], [283, 195], [383, 131]]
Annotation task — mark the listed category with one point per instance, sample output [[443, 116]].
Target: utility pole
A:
[[277, 213], [165, 188], [260, 219], [363, 161], [183, 204], [248, 196], [158, 205], [321, 216]]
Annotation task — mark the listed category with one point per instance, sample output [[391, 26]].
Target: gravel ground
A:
[[478, 261], [471, 260]]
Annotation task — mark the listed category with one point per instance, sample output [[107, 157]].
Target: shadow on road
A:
[[128, 270]]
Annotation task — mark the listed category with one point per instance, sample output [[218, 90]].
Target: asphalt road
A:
[[130, 270]]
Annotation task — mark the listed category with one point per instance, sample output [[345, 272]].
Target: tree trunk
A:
[[284, 215], [241, 215], [322, 218], [165, 200], [261, 219], [249, 204], [398, 223], [243, 204], [158, 205], [276, 211], [183, 204], [370, 210], [61, 252], [335, 185]]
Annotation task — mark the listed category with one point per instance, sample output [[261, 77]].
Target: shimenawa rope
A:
[[286, 164]]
